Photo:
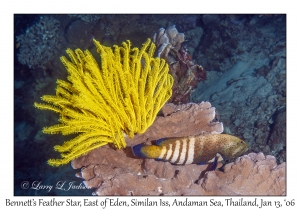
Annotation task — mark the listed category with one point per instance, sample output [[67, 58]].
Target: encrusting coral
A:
[[106, 102], [189, 119], [118, 172]]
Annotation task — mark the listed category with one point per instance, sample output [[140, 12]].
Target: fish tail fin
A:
[[137, 150], [146, 151]]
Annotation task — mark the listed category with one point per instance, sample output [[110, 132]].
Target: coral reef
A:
[[118, 172], [252, 174], [116, 28], [40, 42], [104, 103], [181, 120], [185, 72], [246, 77], [114, 172], [252, 107]]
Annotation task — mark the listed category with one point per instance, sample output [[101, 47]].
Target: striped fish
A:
[[201, 149]]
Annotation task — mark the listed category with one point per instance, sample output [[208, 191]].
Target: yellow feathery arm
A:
[[151, 50], [143, 91], [66, 85], [151, 86], [129, 70], [121, 79], [107, 73], [104, 101], [55, 100], [86, 146], [72, 56], [69, 145], [62, 92], [101, 82], [47, 107], [66, 159], [108, 97], [94, 95], [76, 127]]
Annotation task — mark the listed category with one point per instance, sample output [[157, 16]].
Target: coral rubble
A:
[[185, 71], [40, 42]]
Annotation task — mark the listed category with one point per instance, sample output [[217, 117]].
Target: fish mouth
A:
[[241, 151], [244, 150]]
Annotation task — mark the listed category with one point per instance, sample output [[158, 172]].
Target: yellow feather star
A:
[[104, 102]]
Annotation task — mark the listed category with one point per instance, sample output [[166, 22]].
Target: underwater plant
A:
[[104, 102]]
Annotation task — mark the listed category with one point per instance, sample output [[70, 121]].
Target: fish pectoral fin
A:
[[214, 164], [220, 157]]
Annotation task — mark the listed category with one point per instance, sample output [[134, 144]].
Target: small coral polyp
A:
[[103, 103]]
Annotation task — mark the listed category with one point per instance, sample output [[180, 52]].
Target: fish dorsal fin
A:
[[165, 141], [161, 142]]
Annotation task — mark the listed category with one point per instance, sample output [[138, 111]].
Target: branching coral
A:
[[104, 103]]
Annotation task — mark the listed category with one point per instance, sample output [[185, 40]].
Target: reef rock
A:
[[252, 174], [118, 172], [114, 172], [181, 120]]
